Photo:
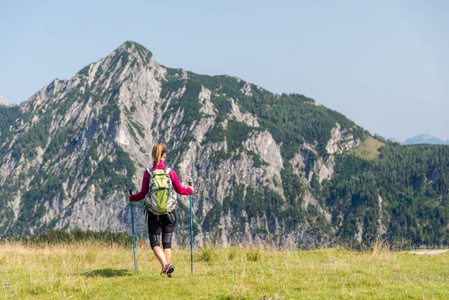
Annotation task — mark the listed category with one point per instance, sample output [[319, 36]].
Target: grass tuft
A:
[[207, 254], [253, 254], [232, 253]]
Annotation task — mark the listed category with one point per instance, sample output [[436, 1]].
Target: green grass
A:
[[91, 270], [368, 149]]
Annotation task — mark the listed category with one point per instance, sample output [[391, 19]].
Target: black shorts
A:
[[158, 224]]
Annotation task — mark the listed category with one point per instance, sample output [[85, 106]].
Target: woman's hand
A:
[[191, 187], [129, 198]]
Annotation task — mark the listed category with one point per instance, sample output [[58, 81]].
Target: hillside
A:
[[267, 168]]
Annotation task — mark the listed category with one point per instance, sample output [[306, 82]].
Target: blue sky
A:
[[383, 64]]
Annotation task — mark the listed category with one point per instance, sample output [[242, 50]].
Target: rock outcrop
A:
[[3, 101]]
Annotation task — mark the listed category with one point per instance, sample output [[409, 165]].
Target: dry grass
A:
[[92, 270]]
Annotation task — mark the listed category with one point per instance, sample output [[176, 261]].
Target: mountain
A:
[[273, 169], [425, 139], [3, 101]]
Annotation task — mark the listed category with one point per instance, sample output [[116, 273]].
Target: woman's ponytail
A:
[[158, 152]]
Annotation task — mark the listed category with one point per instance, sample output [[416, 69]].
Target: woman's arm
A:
[[177, 185], [144, 190]]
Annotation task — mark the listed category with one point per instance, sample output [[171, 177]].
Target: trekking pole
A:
[[134, 240], [191, 233]]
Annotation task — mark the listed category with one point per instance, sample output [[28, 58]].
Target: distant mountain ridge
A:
[[267, 168], [425, 139]]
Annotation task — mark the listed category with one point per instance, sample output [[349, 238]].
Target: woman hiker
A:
[[158, 220]]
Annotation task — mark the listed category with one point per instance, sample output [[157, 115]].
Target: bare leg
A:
[[167, 253], [160, 255]]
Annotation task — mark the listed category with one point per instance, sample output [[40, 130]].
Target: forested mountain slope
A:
[[267, 168]]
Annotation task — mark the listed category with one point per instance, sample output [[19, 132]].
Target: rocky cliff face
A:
[[3, 101], [72, 150]]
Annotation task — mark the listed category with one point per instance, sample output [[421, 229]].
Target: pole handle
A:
[[130, 192]]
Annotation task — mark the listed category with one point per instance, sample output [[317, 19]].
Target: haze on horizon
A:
[[384, 64]]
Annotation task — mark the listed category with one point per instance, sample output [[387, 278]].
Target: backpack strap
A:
[[150, 172]]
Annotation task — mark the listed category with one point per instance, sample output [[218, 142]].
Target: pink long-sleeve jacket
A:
[[173, 177]]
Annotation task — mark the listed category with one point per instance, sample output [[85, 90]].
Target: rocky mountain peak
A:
[[134, 50], [131, 46], [3, 101]]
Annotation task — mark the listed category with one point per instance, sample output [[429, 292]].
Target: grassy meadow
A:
[[368, 149], [92, 270]]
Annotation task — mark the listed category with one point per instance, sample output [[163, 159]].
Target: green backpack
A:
[[161, 198]]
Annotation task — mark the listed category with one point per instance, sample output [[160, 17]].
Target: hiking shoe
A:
[[168, 269]]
